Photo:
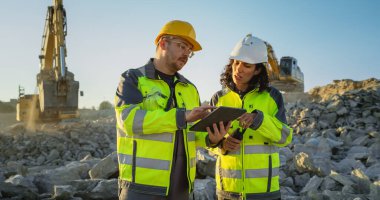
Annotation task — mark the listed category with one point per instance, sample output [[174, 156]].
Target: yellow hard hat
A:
[[181, 29]]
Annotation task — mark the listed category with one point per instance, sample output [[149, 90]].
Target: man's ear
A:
[[163, 44]]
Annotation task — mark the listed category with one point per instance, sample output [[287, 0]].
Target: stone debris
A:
[[335, 152]]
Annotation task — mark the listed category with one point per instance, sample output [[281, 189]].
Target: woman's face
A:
[[242, 73]]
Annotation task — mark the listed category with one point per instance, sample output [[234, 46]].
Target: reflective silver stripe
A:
[[230, 173], [234, 152], [145, 162], [193, 162], [285, 131], [258, 149], [153, 163], [162, 137], [260, 173], [126, 111], [120, 133], [120, 121], [137, 126], [124, 159], [191, 136], [124, 114]]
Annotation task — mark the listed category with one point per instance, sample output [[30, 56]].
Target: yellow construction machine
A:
[[286, 75], [57, 96]]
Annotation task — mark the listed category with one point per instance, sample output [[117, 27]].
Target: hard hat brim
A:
[[195, 44]]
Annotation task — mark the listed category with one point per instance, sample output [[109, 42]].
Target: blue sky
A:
[[332, 40]]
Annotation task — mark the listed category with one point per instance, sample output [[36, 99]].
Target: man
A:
[[154, 103]]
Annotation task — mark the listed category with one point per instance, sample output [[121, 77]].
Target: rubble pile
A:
[[64, 160], [335, 152], [341, 86]]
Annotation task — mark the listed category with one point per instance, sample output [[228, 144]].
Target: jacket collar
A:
[[150, 72]]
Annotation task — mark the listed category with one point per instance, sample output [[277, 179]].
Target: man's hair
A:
[[261, 80]]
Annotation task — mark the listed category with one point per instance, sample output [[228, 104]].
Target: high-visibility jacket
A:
[[253, 171], [147, 126]]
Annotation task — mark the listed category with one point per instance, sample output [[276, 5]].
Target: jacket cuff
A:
[[258, 120], [181, 118]]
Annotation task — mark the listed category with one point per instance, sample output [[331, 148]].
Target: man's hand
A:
[[231, 144], [246, 119], [198, 113], [218, 134]]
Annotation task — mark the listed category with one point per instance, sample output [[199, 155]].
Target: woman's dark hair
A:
[[261, 80]]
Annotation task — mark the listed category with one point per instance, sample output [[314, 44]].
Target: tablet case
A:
[[221, 113]]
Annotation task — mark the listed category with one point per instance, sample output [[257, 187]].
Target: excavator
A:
[[57, 96], [286, 76]]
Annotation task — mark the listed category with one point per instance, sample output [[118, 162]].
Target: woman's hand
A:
[[246, 120], [231, 144], [218, 134]]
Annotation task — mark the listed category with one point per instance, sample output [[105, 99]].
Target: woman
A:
[[249, 168]]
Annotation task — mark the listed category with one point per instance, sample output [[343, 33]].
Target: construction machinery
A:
[[286, 75], [57, 96]]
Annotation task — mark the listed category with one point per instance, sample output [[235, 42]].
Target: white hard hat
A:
[[250, 50]]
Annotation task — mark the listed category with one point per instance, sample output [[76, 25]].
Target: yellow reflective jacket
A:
[[146, 127], [253, 171]]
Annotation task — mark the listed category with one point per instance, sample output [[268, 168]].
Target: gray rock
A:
[[341, 179], [16, 191], [360, 141], [358, 152], [106, 189], [205, 163], [301, 180], [286, 152], [346, 165], [287, 191], [328, 184], [53, 155], [63, 192], [204, 189], [375, 190], [362, 181], [303, 163], [312, 185], [348, 189], [105, 168], [336, 195], [60, 176], [373, 172], [26, 182], [342, 111]]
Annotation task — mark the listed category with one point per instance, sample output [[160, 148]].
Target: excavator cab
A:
[[289, 69]]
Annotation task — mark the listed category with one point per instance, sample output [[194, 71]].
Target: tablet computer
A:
[[221, 113]]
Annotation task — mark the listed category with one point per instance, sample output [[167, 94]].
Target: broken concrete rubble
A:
[[335, 153]]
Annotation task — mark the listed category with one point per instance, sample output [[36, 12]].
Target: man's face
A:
[[178, 53]]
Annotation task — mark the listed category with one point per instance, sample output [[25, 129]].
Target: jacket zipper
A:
[[134, 160], [242, 155], [187, 148], [269, 173]]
